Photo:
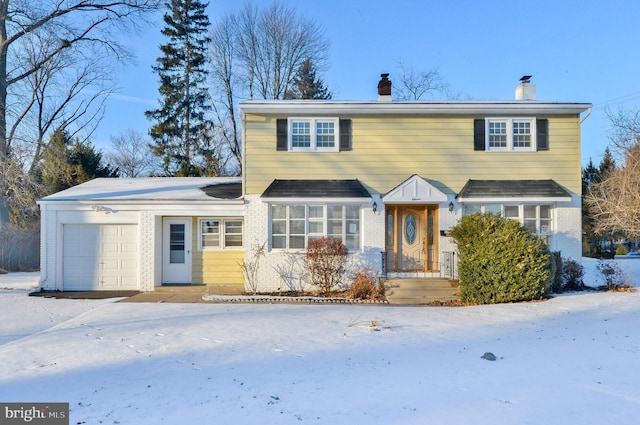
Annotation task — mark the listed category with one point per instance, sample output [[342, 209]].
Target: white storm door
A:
[[176, 250]]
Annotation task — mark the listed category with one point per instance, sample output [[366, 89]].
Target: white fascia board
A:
[[141, 204], [335, 108], [317, 200], [512, 200]]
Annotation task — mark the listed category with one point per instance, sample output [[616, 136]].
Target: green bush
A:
[[572, 274], [556, 272], [621, 250], [500, 261]]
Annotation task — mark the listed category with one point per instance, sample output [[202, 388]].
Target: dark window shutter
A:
[[345, 135], [282, 143], [542, 134], [478, 135]]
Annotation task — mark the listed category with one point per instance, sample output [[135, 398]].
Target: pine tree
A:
[[307, 85], [181, 130], [69, 162], [607, 164]]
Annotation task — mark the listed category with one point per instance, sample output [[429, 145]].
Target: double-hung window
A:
[[292, 226], [511, 134], [220, 233], [313, 134], [536, 218]]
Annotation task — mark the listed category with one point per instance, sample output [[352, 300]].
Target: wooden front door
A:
[[411, 241]]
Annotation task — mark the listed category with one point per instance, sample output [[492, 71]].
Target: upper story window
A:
[[313, 134], [510, 134], [526, 134]]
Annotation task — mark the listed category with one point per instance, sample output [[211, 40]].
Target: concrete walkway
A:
[[184, 293], [421, 291], [398, 292]]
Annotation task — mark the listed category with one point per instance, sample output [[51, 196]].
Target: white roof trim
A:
[[513, 200], [431, 108], [290, 200], [145, 189], [415, 190]]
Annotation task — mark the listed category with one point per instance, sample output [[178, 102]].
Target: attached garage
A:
[[141, 233], [100, 257]]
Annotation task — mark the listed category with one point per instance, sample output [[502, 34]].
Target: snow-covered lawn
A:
[[571, 360]]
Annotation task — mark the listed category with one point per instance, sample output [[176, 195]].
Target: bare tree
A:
[[64, 93], [272, 44], [415, 85], [255, 54], [614, 203], [54, 28], [624, 130], [131, 155], [224, 85]]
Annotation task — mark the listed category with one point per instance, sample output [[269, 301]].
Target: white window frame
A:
[[222, 226], [539, 222], [510, 134], [313, 145], [346, 225]]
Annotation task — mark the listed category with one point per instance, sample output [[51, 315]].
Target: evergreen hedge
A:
[[500, 261]]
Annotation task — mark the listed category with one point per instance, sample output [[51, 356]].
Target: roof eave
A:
[[514, 199], [417, 108]]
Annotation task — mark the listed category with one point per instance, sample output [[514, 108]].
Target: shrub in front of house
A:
[[366, 287], [614, 277], [572, 274], [325, 261], [556, 272], [500, 261]]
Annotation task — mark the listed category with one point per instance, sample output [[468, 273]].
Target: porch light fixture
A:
[[374, 207], [450, 206]]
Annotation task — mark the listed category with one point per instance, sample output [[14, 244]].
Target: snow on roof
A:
[[146, 188]]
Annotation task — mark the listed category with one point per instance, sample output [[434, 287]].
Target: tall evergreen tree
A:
[[607, 164], [181, 130], [307, 85]]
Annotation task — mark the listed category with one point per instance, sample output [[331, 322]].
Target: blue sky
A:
[[577, 51]]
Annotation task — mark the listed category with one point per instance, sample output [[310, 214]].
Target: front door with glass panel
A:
[[410, 240], [176, 250]]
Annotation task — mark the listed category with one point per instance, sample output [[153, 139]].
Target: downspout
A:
[[244, 155], [43, 243]]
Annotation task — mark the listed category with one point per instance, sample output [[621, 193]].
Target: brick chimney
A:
[[384, 88]]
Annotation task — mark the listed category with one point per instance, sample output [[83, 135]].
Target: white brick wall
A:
[[568, 229], [282, 271], [146, 234]]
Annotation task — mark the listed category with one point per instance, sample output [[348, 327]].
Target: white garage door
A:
[[100, 257]]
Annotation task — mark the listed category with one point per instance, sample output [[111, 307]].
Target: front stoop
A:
[[421, 291]]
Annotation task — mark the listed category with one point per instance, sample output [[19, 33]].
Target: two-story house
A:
[[390, 179]]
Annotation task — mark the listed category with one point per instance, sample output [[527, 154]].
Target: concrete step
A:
[[419, 291]]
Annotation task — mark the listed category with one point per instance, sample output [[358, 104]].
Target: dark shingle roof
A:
[[316, 189], [512, 189], [223, 190]]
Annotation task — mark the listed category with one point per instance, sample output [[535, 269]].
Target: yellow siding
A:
[[389, 149], [215, 267]]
